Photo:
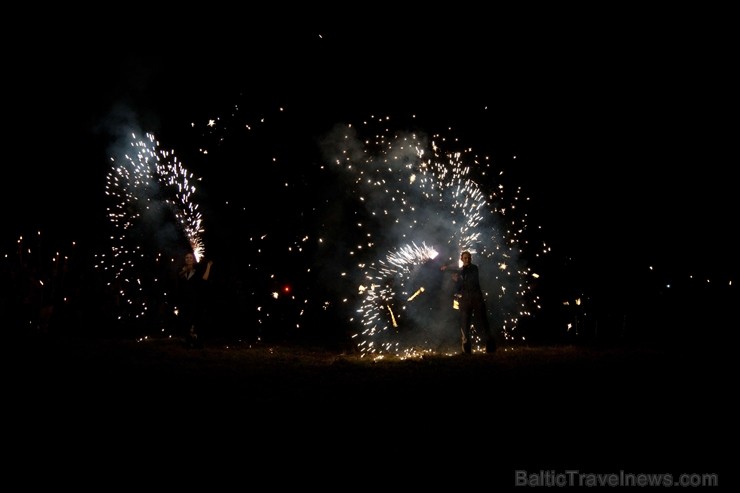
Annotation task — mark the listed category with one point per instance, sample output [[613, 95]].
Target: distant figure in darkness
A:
[[192, 298], [472, 304]]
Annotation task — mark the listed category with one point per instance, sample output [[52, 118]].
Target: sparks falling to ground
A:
[[368, 230], [153, 210], [419, 205]]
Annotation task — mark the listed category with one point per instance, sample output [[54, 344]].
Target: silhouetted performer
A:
[[191, 302], [472, 304]]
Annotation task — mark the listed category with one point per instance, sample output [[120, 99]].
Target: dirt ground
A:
[[605, 408]]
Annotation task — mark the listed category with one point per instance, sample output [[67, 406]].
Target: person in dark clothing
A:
[[191, 303], [472, 304]]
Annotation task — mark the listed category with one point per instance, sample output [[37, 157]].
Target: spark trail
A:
[[366, 233], [152, 209], [417, 199]]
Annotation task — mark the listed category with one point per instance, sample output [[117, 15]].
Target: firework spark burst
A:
[[417, 200], [400, 205], [152, 196]]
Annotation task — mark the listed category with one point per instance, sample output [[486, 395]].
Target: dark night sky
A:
[[620, 124]]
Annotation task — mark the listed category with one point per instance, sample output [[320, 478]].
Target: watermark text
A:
[[570, 478]]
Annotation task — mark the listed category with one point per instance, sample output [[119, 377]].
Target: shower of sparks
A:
[[153, 194], [401, 205], [424, 199]]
